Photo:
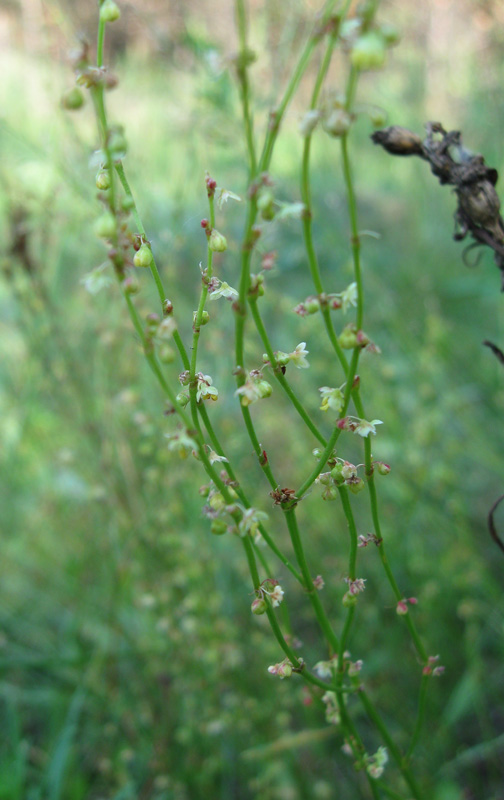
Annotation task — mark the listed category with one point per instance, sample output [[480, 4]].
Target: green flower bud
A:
[[390, 34], [127, 203], [105, 226], [355, 485], [73, 99], [382, 468], [166, 354], [143, 257], [369, 51], [218, 527], [337, 122], [205, 317], [117, 142], [259, 606], [348, 338], [312, 305], [217, 242], [182, 399], [349, 600], [336, 474], [109, 11], [130, 285], [152, 323], [266, 204], [103, 179], [264, 389]]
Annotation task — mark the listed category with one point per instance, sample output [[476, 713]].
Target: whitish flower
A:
[[223, 290], [308, 122], [332, 709], [290, 210], [276, 596], [364, 428], [181, 443], [360, 426], [250, 521], [326, 669], [331, 398], [96, 280], [223, 195], [167, 328], [356, 586], [348, 297], [298, 356], [376, 764], [205, 389], [283, 670], [255, 388], [214, 458]]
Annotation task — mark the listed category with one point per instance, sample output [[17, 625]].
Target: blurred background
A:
[[130, 665]]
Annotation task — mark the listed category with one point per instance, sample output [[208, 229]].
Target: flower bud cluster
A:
[[255, 388], [430, 669], [402, 605], [344, 473], [269, 591]]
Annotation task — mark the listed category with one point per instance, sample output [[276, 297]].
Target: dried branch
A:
[[478, 210]]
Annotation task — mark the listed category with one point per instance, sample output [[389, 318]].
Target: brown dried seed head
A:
[[398, 141]]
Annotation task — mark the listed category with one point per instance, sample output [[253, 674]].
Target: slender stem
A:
[[420, 715], [394, 750], [325, 626], [277, 371]]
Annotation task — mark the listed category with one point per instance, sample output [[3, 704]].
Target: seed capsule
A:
[[398, 141]]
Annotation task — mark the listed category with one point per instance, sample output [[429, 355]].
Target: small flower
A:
[[360, 426], [223, 195], [181, 442], [96, 280], [283, 669], [326, 669], [217, 242], [348, 297], [332, 710], [354, 668], [331, 398], [319, 583], [223, 289], [205, 388], [365, 540], [298, 356], [276, 596], [250, 521], [259, 606], [255, 388], [356, 585], [214, 458], [401, 608], [376, 763], [308, 122]]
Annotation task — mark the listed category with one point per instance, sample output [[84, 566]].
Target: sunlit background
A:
[[131, 667]]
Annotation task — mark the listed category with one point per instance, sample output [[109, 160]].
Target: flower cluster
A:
[[285, 668], [430, 669], [402, 607], [255, 388], [270, 590], [375, 764], [336, 300], [360, 426]]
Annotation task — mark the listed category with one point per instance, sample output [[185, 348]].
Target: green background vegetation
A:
[[130, 666]]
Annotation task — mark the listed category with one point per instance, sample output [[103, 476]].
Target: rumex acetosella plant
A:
[[337, 681]]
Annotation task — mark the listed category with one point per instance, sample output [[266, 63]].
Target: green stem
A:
[[277, 372], [394, 750], [420, 714], [325, 626]]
